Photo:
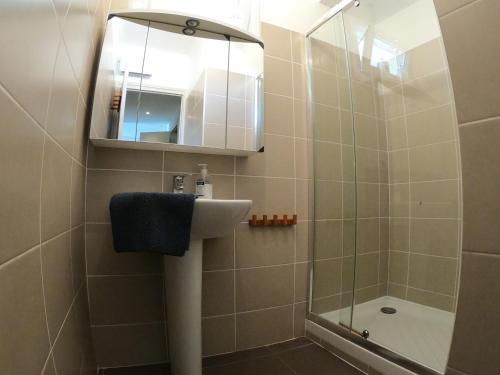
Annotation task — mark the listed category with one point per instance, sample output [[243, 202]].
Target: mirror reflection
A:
[[164, 86]]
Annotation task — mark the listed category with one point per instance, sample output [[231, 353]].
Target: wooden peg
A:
[[264, 220]]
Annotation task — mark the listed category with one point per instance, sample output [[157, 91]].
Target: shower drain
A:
[[388, 310]]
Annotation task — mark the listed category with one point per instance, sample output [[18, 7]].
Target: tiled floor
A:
[[418, 332], [296, 357]]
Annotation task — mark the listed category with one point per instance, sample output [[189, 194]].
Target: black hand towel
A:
[[154, 222]]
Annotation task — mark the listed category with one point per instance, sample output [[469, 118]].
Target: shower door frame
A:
[[347, 333]]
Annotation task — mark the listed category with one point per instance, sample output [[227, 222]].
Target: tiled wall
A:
[[335, 173], [424, 178], [470, 32], [255, 280], [48, 51]]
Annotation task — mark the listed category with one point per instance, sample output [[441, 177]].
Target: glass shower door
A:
[[408, 219], [334, 174]]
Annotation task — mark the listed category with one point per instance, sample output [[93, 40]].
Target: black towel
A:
[[154, 222]]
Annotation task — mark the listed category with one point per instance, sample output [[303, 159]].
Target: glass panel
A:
[[245, 99], [334, 174], [407, 180], [121, 63], [182, 92]]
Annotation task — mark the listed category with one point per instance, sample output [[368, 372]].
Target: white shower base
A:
[[417, 332]]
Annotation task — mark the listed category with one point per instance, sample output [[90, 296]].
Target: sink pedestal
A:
[[183, 287]]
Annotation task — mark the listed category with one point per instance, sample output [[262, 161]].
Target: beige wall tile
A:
[[278, 76], [77, 204], [368, 204], [367, 235], [112, 158], [399, 200], [367, 272], [302, 162], [57, 281], [56, 186], [399, 234], [78, 265], [328, 200], [323, 55], [81, 133], [218, 335], [299, 81], [438, 301], [74, 343], [277, 41], [397, 291], [327, 123], [263, 327], [435, 237], [439, 199], [432, 274], [431, 126], [257, 247], [188, 163], [299, 319], [383, 274], [366, 131], [398, 268], [446, 6], [328, 161], [426, 92], [477, 313], [29, 83], [301, 282], [346, 126], [366, 294], [303, 241], [304, 199], [322, 305], [425, 59], [125, 299], [394, 102], [326, 278], [367, 168], [298, 48], [101, 185], [218, 293], [398, 166], [434, 162], [259, 288], [324, 88], [117, 345], [25, 350], [328, 239], [218, 253], [274, 162], [21, 148], [363, 99], [49, 367], [278, 114], [269, 195], [348, 163], [103, 260], [473, 29], [300, 118], [480, 158], [396, 134], [61, 116]]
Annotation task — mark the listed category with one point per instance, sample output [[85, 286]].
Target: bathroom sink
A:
[[183, 276], [217, 217]]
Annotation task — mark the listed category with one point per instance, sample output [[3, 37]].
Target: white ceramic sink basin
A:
[[183, 276], [217, 217]]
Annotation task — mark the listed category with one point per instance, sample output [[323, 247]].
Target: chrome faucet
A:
[[179, 184]]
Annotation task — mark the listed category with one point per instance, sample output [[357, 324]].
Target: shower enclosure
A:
[[387, 183]]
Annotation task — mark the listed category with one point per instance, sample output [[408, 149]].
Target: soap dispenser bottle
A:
[[203, 185]]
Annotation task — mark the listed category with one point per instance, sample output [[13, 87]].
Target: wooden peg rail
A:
[[265, 222]]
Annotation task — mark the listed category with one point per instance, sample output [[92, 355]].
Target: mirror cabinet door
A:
[[245, 96], [121, 62], [157, 85]]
